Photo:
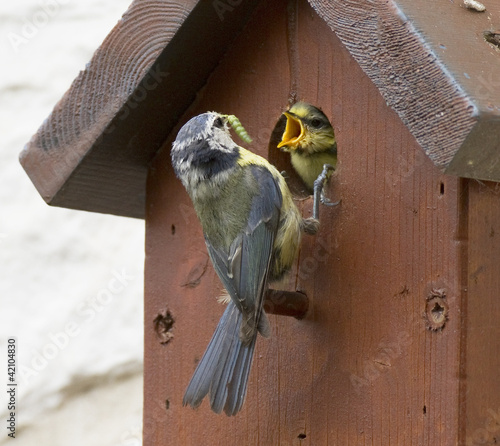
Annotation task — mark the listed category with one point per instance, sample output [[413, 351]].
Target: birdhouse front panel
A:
[[376, 359]]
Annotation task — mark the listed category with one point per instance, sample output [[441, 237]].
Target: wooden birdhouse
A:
[[401, 341]]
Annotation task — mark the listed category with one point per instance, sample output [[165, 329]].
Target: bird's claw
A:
[[327, 202], [319, 196]]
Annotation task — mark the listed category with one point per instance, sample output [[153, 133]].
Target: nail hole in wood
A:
[[492, 37], [436, 310], [163, 324]]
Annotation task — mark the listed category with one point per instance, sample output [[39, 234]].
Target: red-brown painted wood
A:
[[362, 367], [480, 396], [94, 150], [433, 65]]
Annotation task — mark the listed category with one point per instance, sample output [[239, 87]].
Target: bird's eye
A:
[[316, 123], [219, 123]]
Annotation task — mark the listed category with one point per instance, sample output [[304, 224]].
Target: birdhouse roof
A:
[[437, 64]]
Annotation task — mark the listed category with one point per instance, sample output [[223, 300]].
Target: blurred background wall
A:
[[71, 283]]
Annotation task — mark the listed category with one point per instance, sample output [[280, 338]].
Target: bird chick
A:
[[310, 139]]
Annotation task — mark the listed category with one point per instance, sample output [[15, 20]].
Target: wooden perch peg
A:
[[286, 303]]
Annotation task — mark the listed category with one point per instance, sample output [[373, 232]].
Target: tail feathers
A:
[[238, 389], [223, 371], [248, 327], [264, 326]]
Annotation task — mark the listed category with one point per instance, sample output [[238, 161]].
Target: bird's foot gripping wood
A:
[[311, 225], [318, 191]]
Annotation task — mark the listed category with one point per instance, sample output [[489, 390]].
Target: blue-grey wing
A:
[[244, 268], [225, 366]]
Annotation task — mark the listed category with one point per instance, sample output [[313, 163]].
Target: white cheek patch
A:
[[222, 142]]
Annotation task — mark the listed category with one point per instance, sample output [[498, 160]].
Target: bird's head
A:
[[203, 149], [307, 130], [211, 127]]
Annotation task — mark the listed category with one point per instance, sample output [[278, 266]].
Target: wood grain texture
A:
[[362, 367], [432, 65], [93, 151], [481, 393]]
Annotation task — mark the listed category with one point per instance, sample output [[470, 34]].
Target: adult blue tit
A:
[[252, 231], [310, 139]]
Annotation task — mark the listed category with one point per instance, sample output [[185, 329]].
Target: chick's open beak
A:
[[294, 131]]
